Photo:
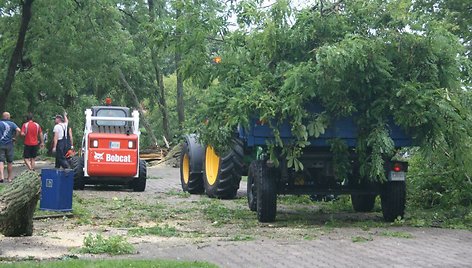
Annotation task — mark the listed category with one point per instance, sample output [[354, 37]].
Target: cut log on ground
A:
[[18, 203]]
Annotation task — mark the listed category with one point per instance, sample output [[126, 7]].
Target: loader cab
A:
[[115, 126]]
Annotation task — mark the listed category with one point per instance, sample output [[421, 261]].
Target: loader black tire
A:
[[222, 175], [266, 192], [393, 199], [363, 202], [77, 164], [139, 183], [191, 182], [251, 187]]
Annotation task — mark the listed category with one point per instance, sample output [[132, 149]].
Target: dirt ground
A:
[[164, 222]]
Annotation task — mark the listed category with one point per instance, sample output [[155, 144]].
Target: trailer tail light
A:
[[94, 143], [398, 171], [131, 145], [397, 167]]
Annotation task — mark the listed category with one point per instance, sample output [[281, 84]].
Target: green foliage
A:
[[341, 161], [165, 231], [396, 234], [219, 214], [114, 245], [350, 63], [294, 200], [437, 181]]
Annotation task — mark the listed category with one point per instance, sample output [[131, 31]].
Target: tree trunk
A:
[[180, 80], [180, 91], [17, 53], [18, 203], [162, 102], [139, 106], [161, 94]]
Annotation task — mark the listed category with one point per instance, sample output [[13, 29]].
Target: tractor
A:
[[110, 149]]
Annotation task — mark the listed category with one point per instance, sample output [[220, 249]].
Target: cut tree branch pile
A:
[[172, 157], [18, 203]]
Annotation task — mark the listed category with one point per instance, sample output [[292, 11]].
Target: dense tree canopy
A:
[[406, 60]]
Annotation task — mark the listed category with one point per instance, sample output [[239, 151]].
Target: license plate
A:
[[114, 145], [397, 176]]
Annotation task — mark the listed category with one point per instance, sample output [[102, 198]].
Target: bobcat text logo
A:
[[118, 158], [98, 157], [114, 158]]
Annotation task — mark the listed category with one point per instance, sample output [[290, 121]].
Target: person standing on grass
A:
[[31, 130], [8, 133]]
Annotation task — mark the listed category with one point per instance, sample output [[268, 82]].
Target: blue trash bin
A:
[[56, 189]]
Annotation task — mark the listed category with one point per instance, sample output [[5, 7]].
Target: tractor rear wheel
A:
[[393, 199], [222, 175], [266, 192], [77, 164], [139, 183], [191, 182], [251, 187], [363, 202]]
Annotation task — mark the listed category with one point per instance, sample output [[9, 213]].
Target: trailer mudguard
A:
[[196, 152]]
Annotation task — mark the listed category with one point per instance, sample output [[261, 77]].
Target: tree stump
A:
[[18, 203]]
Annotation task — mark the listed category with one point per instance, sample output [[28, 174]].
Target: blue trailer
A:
[[203, 170]]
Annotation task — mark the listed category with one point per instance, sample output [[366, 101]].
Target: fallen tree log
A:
[[18, 203]]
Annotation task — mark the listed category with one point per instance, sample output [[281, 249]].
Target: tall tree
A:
[[159, 76], [132, 93], [17, 52], [178, 59], [197, 25]]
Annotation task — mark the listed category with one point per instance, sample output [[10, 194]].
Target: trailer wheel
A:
[[363, 202], [222, 175], [393, 199], [77, 164], [251, 187], [266, 192], [139, 184], [192, 182]]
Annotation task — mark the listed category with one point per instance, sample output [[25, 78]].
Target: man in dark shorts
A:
[[61, 142], [31, 130], [8, 133]]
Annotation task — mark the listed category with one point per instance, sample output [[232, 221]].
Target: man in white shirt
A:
[[61, 143]]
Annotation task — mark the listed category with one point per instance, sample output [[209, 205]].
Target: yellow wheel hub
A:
[[186, 168], [212, 165]]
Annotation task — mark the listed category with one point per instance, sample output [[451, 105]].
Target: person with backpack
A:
[[61, 141], [30, 131]]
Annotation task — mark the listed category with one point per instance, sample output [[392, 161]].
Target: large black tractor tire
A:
[[393, 199], [363, 202], [222, 175], [251, 187], [139, 183], [191, 179], [266, 192], [77, 164]]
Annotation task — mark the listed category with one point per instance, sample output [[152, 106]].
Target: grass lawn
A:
[[108, 263]]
